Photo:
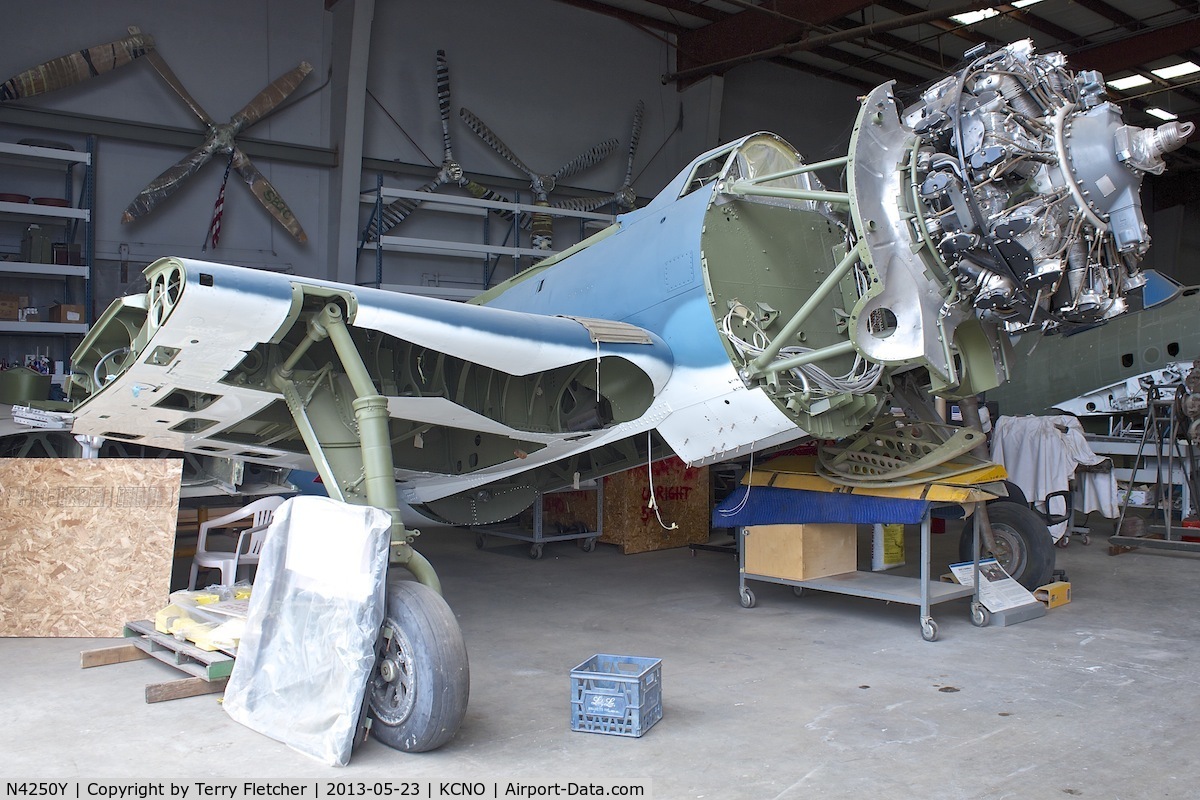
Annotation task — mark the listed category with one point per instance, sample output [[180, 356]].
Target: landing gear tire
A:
[[418, 689], [747, 598], [980, 616], [1023, 544]]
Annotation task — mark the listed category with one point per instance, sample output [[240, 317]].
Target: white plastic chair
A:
[[249, 543]]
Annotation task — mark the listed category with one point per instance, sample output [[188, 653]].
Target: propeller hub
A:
[[543, 185], [222, 137]]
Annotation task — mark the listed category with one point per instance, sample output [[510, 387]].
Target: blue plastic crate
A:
[[619, 695]]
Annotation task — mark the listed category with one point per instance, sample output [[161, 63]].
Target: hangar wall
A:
[[550, 79]]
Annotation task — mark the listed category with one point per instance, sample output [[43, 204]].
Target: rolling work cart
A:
[[777, 503]]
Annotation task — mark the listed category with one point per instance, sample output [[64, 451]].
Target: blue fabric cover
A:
[[770, 505]]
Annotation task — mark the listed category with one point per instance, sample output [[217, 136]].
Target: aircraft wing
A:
[[195, 365]]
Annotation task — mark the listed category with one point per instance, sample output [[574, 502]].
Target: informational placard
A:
[[998, 591]]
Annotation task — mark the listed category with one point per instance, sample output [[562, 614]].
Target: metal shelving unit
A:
[[69, 219], [483, 248], [1159, 459]]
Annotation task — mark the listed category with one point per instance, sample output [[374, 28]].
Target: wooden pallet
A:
[[209, 669]]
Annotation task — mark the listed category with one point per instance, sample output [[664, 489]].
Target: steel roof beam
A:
[[1134, 51], [702, 51]]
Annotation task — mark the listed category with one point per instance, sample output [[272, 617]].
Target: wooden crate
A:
[[684, 500], [801, 552]]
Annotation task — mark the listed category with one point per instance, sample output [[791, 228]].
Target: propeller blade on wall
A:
[[541, 184], [450, 170], [495, 142], [269, 98], [624, 197], [168, 182], [220, 139], [271, 200], [73, 68]]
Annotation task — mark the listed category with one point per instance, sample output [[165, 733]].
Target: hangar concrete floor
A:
[[819, 696]]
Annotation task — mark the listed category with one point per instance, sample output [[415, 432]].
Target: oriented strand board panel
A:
[[683, 498], [85, 544]]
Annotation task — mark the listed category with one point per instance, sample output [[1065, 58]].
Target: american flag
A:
[[214, 227]]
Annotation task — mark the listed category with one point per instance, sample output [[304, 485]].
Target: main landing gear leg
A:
[[417, 693]]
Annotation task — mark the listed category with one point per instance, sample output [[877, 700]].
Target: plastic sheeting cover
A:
[[309, 644]]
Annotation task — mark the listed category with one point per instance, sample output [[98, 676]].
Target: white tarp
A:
[[314, 616], [1041, 455]]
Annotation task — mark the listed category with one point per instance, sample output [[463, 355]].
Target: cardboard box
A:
[[62, 312], [35, 246], [10, 306], [1054, 594], [801, 552], [67, 254]]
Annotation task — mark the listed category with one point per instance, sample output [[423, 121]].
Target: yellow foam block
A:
[[167, 617], [1054, 594]]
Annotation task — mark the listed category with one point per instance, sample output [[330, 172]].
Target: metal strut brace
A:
[[371, 415]]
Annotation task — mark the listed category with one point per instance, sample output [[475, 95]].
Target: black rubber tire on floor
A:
[[1031, 560], [422, 708]]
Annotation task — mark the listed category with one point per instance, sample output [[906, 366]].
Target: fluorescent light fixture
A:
[[971, 17], [1130, 82], [1176, 71], [1155, 111]]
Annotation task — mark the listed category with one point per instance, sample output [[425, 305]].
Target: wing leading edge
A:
[[217, 359]]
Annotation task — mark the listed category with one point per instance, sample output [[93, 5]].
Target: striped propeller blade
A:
[[443, 96], [397, 211]]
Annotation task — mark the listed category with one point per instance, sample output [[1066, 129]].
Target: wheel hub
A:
[[1008, 551], [393, 692]]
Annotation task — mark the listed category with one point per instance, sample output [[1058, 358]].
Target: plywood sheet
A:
[[683, 497], [85, 544]]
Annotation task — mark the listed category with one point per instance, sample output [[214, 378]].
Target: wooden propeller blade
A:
[[168, 182], [266, 100], [164, 70], [73, 68], [261, 188]]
